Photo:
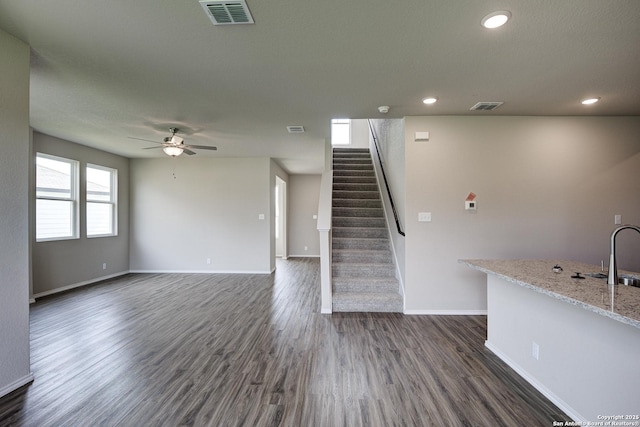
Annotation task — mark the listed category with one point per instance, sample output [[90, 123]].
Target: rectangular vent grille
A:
[[227, 12], [486, 106], [295, 129]]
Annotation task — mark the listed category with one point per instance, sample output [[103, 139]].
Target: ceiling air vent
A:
[[295, 129], [227, 12], [486, 106]]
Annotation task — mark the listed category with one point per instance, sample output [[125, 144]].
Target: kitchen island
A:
[[575, 340]]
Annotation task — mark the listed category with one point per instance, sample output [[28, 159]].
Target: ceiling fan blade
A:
[[150, 148], [202, 147], [147, 140], [188, 152]]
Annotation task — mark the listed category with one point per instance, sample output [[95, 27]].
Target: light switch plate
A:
[[424, 216]]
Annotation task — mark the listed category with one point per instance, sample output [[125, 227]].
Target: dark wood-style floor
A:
[[253, 350]]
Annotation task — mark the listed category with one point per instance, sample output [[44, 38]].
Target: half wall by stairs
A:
[[364, 274]]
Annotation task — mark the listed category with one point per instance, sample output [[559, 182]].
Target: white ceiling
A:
[[104, 71]]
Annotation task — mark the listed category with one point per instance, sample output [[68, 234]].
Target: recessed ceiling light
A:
[[590, 101], [430, 100], [496, 19]]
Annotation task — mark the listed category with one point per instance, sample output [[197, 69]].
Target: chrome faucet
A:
[[612, 279]]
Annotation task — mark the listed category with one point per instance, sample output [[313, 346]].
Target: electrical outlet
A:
[[617, 219], [535, 350], [306, 248], [208, 260], [104, 265]]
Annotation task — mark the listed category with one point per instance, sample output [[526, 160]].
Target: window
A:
[[56, 198], [101, 201], [340, 131]]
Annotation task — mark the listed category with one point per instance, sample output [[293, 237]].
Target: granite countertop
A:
[[619, 302]]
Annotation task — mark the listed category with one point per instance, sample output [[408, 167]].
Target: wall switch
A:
[[424, 216], [104, 265], [421, 137], [315, 216], [261, 216], [535, 350], [617, 219]]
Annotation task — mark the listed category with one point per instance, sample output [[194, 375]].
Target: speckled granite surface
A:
[[622, 303]]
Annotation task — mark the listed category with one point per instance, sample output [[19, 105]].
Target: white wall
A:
[[210, 209], [547, 187], [359, 130], [63, 264], [304, 192], [390, 134], [274, 171], [14, 214]]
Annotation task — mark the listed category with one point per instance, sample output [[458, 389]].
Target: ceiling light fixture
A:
[[496, 19], [590, 101], [172, 151], [430, 100]]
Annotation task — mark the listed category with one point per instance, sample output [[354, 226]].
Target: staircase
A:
[[364, 275]]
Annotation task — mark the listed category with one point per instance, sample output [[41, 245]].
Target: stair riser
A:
[[354, 167], [365, 287], [352, 161], [358, 212], [360, 232], [362, 257], [342, 194], [357, 203], [348, 173], [354, 180], [363, 270], [359, 222], [364, 244], [340, 186]]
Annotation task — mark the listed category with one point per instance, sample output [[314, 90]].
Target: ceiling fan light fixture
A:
[[496, 19], [590, 101], [172, 151]]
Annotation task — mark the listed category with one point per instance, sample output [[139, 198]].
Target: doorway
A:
[[281, 218]]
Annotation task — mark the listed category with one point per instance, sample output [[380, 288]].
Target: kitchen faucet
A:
[[612, 279]]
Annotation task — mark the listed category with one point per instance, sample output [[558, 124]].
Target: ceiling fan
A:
[[174, 145]]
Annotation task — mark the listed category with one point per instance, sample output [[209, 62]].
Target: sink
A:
[[629, 281]]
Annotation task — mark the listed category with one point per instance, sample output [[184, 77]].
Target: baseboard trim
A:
[[304, 256], [446, 312], [77, 285], [16, 384], [200, 272], [326, 311], [536, 384]]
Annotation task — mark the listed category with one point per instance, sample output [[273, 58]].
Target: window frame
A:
[[340, 122], [113, 200], [74, 196]]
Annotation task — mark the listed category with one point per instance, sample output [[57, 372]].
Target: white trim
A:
[[537, 385], [446, 312], [326, 311], [79, 284], [200, 272], [16, 384], [304, 256]]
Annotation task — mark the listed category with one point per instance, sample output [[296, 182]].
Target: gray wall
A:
[[187, 210], [14, 214], [64, 264], [303, 192], [547, 187]]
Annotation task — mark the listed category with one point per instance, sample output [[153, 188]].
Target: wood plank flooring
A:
[[253, 350]]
